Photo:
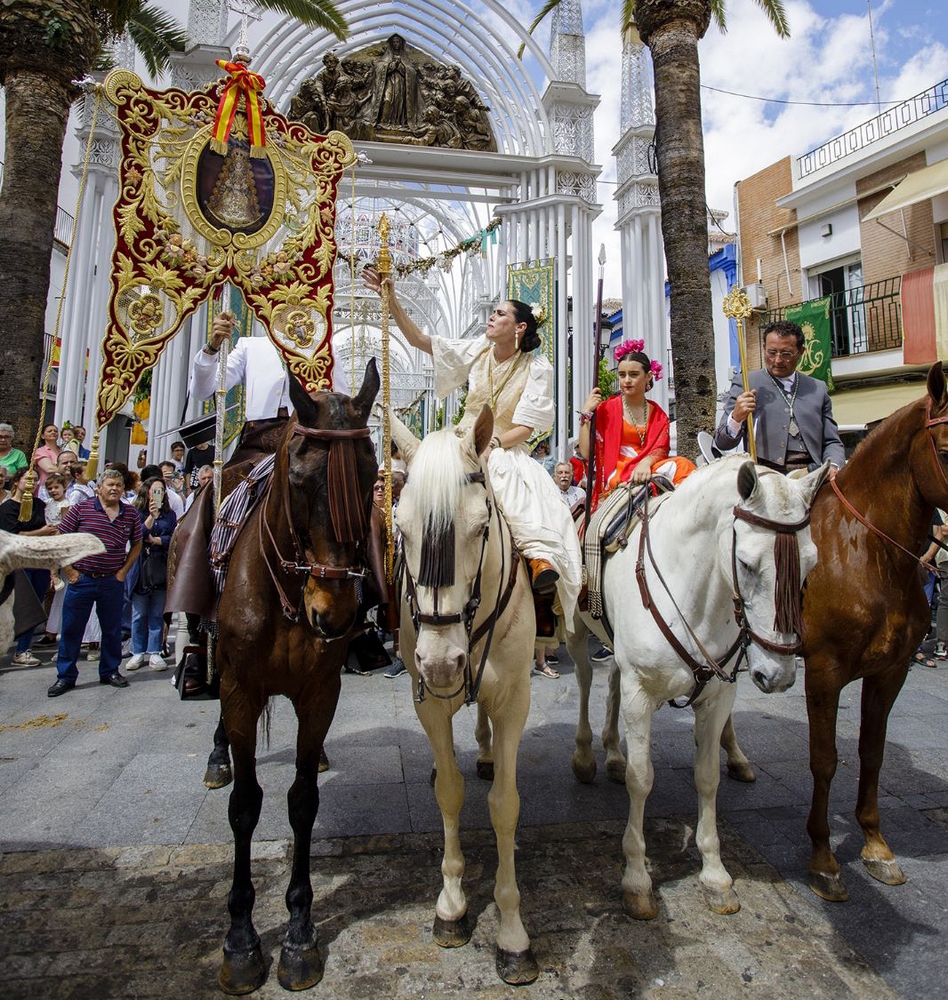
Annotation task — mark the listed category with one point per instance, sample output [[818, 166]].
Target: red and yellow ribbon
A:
[[242, 82]]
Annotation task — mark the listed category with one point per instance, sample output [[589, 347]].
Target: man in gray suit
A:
[[793, 416]]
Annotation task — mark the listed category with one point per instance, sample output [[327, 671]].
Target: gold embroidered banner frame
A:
[[188, 219]]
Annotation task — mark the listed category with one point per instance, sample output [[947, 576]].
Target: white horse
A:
[[467, 633], [721, 566], [35, 552]]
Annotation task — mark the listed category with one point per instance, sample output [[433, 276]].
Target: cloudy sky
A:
[[826, 61]]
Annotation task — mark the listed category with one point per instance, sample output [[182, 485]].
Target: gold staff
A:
[[385, 272], [737, 306]]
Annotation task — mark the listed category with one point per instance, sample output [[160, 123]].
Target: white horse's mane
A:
[[436, 478], [781, 500]]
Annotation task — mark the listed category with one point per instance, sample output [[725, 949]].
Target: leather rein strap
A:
[[471, 682], [708, 668], [930, 422], [315, 570]]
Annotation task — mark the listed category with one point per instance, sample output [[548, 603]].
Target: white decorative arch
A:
[[447, 31]]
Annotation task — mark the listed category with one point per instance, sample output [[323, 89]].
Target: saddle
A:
[[610, 527]]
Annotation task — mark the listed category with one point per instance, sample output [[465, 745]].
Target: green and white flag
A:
[[814, 319]]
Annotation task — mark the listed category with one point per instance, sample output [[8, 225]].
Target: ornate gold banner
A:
[[189, 218]]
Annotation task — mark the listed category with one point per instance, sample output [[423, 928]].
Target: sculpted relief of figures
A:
[[390, 92]]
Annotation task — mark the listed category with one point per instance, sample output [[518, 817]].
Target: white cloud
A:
[[827, 60]]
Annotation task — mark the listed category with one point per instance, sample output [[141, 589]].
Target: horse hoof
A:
[[451, 933], [829, 886], [640, 905], [517, 968], [723, 901], [615, 771], [485, 770], [218, 775], [300, 968], [887, 872], [242, 972], [741, 772], [584, 771]]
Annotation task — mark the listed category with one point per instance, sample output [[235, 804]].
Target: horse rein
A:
[[930, 422], [710, 668], [314, 570], [471, 682]]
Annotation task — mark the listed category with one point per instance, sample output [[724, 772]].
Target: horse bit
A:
[[471, 683], [314, 570], [705, 671]]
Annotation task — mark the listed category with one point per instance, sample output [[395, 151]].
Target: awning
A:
[[924, 183], [859, 407]]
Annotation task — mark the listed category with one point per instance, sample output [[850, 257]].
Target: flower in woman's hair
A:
[[657, 371], [539, 313], [628, 347]]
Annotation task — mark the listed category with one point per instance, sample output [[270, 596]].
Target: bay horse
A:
[[865, 612], [467, 634], [290, 600], [717, 567]]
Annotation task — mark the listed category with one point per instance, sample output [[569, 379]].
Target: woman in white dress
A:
[[504, 370]]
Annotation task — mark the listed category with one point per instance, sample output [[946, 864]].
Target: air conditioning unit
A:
[[756, 294]]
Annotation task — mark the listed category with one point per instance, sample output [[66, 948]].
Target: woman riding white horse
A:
[[505, 371]]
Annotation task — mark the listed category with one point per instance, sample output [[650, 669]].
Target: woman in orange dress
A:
[[632, 432]]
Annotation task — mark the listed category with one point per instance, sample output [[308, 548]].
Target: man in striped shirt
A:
[[98, 581]]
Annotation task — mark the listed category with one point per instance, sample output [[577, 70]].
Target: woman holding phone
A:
[[147, 581]]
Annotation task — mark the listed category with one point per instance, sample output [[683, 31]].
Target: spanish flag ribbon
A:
[[242, 82]]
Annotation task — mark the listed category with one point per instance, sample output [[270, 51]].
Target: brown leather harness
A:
[[471, 681], [930, 422], [708, 668], [302, 563]]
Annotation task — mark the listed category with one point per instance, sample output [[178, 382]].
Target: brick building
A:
[[859, 221]]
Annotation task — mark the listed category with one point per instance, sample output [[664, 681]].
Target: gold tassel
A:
[[26, 504], [92, 466]]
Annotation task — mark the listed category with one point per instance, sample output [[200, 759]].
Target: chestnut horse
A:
[[300, 550], [865, 611]]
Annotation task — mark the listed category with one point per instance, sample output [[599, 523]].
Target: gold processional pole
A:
[[737, 306], [385, 272]]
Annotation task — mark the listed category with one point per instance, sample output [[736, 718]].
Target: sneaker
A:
[[135, 662], [396, 669], [156, 662], [553, 658], [26, 659], [601, 654], [941, 651]]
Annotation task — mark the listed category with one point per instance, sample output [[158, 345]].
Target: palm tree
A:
[[45, 45], [672, 29]]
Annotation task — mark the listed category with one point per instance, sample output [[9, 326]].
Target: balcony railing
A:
[[891, 120], [864, 319]]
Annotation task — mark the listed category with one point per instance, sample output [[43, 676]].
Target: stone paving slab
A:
[[117, 861], [149, 922]]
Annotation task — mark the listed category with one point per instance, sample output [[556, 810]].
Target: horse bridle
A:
[[709, 668], [299, 565], [471, 682], [930, 422]]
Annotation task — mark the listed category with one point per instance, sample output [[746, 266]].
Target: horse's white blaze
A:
[[691, 535]]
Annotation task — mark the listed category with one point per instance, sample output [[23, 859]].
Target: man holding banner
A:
[[792, 412]]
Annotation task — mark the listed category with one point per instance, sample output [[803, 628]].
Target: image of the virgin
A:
[[395, 88], [235, 192]]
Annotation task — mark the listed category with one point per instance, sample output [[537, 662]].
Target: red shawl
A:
[[609, 439]]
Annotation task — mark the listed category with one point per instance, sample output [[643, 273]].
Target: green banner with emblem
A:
[[814, 319]]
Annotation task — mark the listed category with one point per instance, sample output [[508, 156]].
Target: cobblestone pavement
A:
[[116, 860]]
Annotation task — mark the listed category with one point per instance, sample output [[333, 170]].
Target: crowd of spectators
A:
[[134, 513]]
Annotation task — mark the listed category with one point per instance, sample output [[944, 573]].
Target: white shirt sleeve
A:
[[204, 370], [536, 408], [453, 360]]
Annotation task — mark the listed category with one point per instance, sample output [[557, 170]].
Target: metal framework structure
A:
[[541, 183]]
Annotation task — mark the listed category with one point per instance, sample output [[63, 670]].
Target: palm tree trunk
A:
[[671, 29], [37, 108]]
